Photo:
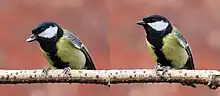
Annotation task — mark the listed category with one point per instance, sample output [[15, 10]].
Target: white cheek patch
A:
[[49, 32], [159, 25]]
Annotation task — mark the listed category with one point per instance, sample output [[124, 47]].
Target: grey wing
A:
[[78, 44], [185, 45]]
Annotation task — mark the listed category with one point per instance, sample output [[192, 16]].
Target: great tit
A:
[[166, 43], [62, 49]]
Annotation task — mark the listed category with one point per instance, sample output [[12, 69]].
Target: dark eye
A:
[[42, 29]]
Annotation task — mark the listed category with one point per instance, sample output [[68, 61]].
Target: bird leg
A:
[[166, 68], [45, 70], [67, 70], [159, 67]]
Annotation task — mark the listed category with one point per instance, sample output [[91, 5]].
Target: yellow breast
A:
[[68, 53], [174, 51], [150, 47]]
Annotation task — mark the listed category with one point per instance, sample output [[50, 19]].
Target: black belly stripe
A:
[[161, 58], [50, 48], [58, 63], [156, 41]]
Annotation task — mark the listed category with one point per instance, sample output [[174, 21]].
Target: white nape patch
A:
[[49, 32], [159, 25]]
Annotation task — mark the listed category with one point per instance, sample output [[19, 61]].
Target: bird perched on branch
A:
[[62, 49], [166, 43]]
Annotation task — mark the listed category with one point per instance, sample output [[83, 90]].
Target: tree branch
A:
[[211, 78], [53, 76]]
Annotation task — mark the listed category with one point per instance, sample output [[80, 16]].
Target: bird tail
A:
[[90, 66], [89, 62], [190, 64]]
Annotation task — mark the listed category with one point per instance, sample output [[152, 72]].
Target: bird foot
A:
[[159, 67], [45, 70], [67, 70]]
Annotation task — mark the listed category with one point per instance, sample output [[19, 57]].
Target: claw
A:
[[164, 69], [158, 67], [66, 70], [45, 70]]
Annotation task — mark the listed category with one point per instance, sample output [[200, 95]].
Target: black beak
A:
[[31, 38], [141, 22]]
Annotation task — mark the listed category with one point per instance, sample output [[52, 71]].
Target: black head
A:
[[45, 31], [156, 24]]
